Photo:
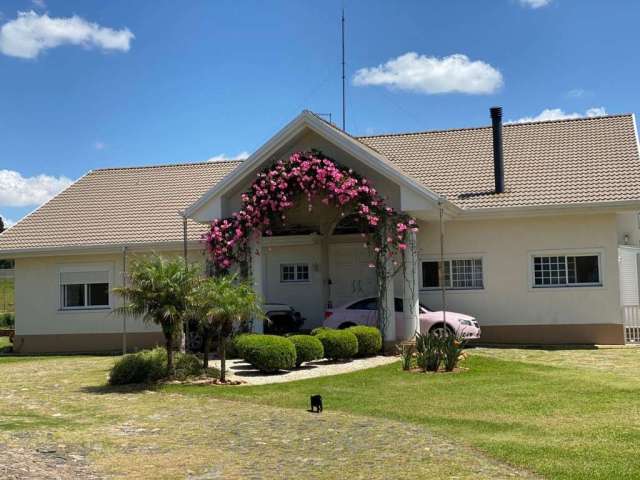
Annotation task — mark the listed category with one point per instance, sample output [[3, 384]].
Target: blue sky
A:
[[88, 83]]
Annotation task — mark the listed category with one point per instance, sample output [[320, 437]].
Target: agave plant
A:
[[452, 346], [429, 351], [405, 350]]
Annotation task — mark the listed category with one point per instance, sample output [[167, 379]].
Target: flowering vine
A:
[[306, 175]]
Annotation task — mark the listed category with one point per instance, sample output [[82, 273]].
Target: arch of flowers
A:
[[309, 175]]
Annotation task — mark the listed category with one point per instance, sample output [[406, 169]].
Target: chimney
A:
[[498, 158]]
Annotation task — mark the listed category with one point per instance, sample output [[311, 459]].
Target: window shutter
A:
[[71, 278]]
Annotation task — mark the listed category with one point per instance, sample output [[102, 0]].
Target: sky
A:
[[87, 84]]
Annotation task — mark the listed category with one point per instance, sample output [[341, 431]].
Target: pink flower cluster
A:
[[275, 190]]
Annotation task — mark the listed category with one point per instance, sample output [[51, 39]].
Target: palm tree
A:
[[222, 305], [157, 291]]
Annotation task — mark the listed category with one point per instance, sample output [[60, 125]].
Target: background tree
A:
[[1, 225], [157, 291], [222, 306]]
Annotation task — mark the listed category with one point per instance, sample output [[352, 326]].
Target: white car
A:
[[365, 312]]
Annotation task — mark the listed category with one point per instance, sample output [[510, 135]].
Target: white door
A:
[[351, 276]]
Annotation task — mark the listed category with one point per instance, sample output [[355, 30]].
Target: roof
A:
[[587, 160], [119, 206], [565, 162]]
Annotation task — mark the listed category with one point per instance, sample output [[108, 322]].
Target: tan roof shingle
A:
[[563, 162], [119, 206], [546, 163]]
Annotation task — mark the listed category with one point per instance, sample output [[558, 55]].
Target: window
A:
[[84, 289], [294, 272], [367, 304], [459, 273], [566, 270]]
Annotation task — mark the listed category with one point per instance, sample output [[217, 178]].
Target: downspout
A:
[[124, 300], [185, 344], [442, 276]]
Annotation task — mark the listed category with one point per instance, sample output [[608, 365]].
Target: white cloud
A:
[[29, 34], [423, 74], [559, 114], [19, 191], [535, 3], [223, 158], [100, 145]]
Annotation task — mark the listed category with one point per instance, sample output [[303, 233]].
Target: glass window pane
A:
[[302, 272], [73, 295], [587, 269], [430, 275], [98, 294]]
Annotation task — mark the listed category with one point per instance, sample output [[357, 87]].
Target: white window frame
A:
[[599, 253], [454, 258], [80, 269], [296, 273]]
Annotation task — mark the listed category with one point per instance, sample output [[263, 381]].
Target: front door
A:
[[351, 276]]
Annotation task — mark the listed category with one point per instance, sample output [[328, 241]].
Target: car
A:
[[280, 319], [364, 311]]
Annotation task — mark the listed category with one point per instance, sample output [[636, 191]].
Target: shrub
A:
[[142, 367], [187, 365], [7, 319], [318, 330], [338, 344], [406, 355], [235, 348], [308, 348], [150, 366], [369, 340], [268, 353]]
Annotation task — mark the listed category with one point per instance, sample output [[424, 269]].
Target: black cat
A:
[[316, 403]]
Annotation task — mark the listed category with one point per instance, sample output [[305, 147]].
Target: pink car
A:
[[365, 312]]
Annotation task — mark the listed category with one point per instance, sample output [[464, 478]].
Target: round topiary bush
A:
[[369, 340], [268, 353], [318, 330], [338, 344], [234, 348], [308, 348], [143, 367]]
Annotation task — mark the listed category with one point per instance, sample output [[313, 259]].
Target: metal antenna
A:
[[343, 79]]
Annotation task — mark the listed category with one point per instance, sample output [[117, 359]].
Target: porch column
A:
[[411, 297], [324, 269], [387, 297], [256, 274]]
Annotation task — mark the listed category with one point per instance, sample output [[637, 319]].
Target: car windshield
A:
[[424, 307]]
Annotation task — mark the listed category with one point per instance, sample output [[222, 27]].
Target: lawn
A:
[[58, 420], [513, 413], [562, 414]]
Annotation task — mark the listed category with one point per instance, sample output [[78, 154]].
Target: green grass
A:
[[559, 421]]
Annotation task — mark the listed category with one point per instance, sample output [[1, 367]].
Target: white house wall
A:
[[508, 308]]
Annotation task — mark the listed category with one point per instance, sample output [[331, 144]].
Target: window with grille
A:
[[294, 272], [459, 273], [566, 270]]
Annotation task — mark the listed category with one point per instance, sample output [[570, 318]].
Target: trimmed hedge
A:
[[150, 366], [369, 340], [308, 348], [268, 353], [7, 319], [234, 349], [317, 330], [338, 344]]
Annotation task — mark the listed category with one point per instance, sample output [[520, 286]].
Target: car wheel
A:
[[439, 330], [346, 325]]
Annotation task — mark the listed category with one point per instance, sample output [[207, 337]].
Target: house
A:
[[540, 225]]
